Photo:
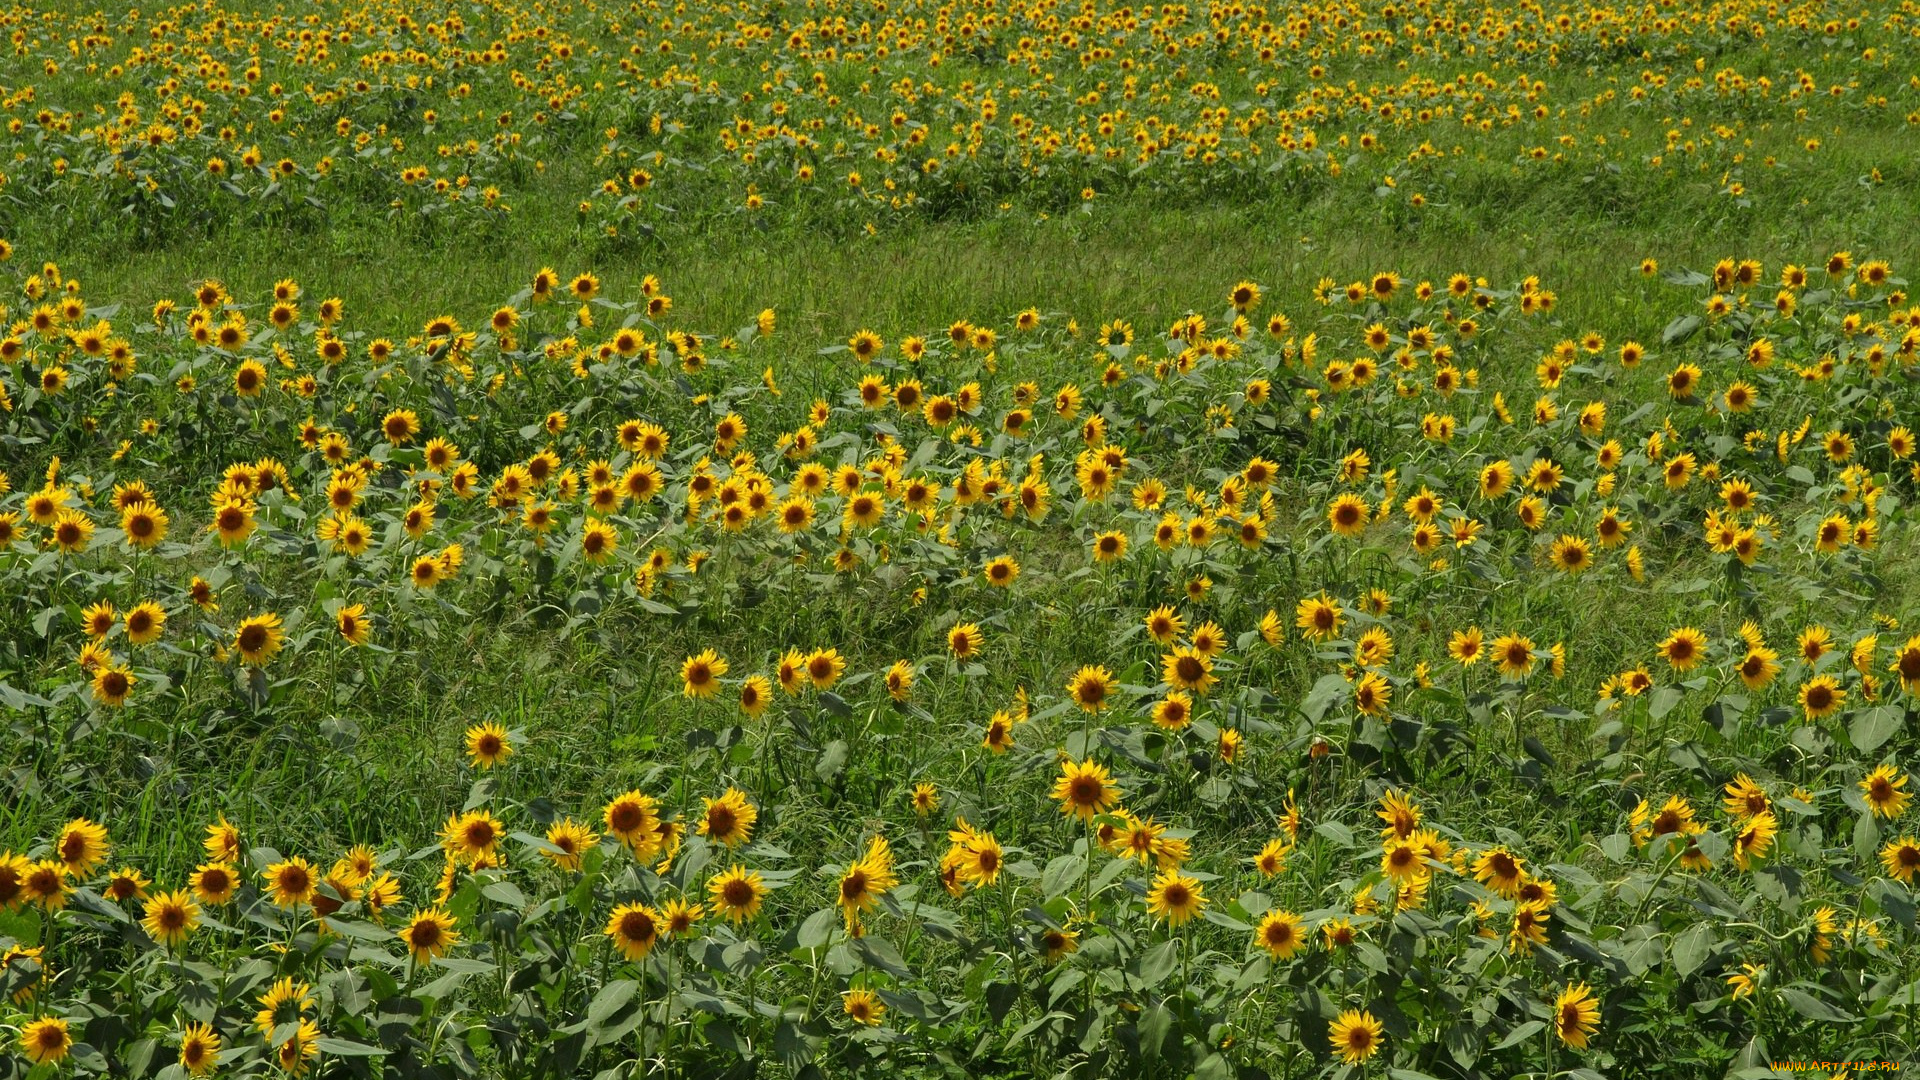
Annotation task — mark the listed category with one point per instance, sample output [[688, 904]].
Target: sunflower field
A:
[[986, 538]]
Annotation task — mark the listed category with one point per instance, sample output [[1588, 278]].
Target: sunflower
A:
[[428, 935], [1901, 858], [293, 1055], [1576, 1016], [126, 884], [729, 819], [1085, 789], [1355, 1036], [1401, 815], [1372, 694], [1404, 861], [755, 694], [259, 639], [170, 917], [1514, 653], [866, 880], [214, 883], [571, 841], [977, 856], [1758, 667], [1318, 617], [1174, 897], [634, 930], [471, 837], [701, 674], [1348, 515], [1280, 934], [1173, 712], [112, 685], [1684, 648], [1528, 928], [1906, 665], [1881, 789], [199, 1049], [46, 1040], [737, 894], [222, 840], [634, 821], [44, 883], [1500, 870], [1755, 839], [488, 745], [1744, 798], [81, 846], [292, 881], [863, 1007], [71, 532], [824, 667], [1821, 696]]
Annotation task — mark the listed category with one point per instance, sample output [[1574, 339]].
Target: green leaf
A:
[[611, 999], [1521, 1034], [1330, 688], [818, 929], [1873, 727], [833, 761], [1813, 1008], [1690, 948], [1894, 899], [347, 1047], [1680, 329], [1062, 871], [1663, 701], [1153, 1029], [880, 953], [1158, 962]]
